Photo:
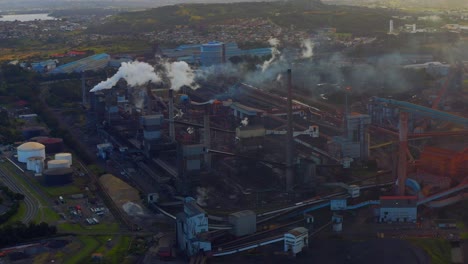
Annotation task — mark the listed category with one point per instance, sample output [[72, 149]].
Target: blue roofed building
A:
[[91, 63], [44, 66], [211, 53]]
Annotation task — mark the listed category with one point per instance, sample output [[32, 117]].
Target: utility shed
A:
[[398, 209], [296, 240], [243, 222]]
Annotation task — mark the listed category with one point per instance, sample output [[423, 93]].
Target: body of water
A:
[[26, 17]]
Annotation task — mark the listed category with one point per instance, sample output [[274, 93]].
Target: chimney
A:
[[207, 135], [223, 55], [83, 88], [289, 140], [171, 115]]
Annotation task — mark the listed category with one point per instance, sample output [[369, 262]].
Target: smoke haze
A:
[[307, 49], [135, 73]]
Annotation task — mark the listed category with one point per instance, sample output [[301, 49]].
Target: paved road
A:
[[32, 205]]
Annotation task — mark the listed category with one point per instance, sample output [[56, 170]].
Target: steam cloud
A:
[[180, 74], [135, 73], [307, 49], [245, 121], [275, 53], [140, 73]]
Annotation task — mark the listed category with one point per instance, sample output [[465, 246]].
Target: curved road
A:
[[32, 205]]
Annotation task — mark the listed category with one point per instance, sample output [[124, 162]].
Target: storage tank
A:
[[32, 132], [64, 156], [30, 149], [39, 166], [54, 164], [32, 162], [58, 176], [53, 145], [37, 139]]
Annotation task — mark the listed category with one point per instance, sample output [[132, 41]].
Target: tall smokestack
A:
[[207, 136], [149, 101], [223, 55], [289, 140], [390, 30], [171, 115], [83, 87]]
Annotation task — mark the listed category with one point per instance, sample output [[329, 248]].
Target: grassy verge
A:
[[18, 216], [70, 228], [439, 250], [116, 250], [61, 190]]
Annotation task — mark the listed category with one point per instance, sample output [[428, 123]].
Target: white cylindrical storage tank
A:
[[39, 166], [55, 164], [64, 156], [32, 161], [30, 149]]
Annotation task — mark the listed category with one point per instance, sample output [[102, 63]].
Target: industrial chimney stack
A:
[[171, 115], [289, 140]]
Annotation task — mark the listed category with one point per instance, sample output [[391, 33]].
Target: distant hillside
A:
[[302, 14], [447, 4]]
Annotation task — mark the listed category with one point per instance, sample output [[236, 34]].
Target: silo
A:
[[58, 176], [64, 156], [53, 145], [30, 149], [32, 132], [39, 166], [32, 161], [37, 139], [55, 164]]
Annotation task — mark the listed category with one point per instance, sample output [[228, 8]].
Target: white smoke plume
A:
[[275, 53], [307, 49], [135, 73], [279, 78], [245, 121], [180, 74]]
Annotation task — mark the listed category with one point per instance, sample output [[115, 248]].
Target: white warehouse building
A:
[[30, 149]]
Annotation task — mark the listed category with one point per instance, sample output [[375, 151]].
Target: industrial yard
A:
[[212, 153]]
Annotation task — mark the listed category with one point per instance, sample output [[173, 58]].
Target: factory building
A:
[[44, 66], [191, 224], [398, 209], [91, 63], [443, 162], [355, 143], [250, 138], [211, 53], [243, 223]]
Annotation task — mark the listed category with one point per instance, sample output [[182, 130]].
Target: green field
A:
[[113, 251]]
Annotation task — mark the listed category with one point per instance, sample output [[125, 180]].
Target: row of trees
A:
[[19, 232], [15, 198]]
